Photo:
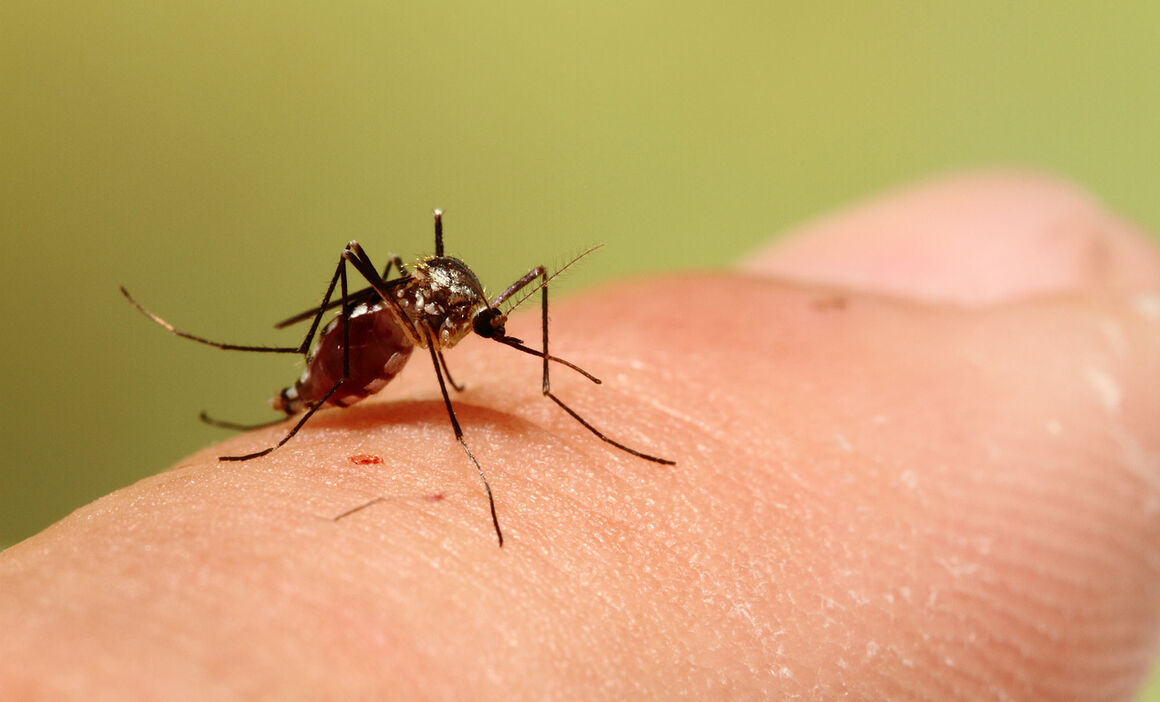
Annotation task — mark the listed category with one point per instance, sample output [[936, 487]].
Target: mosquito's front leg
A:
[[450, 380], [541, 272], [537, 272], [547, 389], [459, 434]]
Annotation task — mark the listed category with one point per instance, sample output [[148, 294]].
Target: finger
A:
[[969, 239], [870, 496]]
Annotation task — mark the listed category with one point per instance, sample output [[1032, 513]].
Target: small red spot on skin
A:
[[365, 459], [434, 498]]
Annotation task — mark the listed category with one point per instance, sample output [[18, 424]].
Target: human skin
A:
[[917, 456]]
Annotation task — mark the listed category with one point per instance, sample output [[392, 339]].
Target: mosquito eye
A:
[[488, 323]]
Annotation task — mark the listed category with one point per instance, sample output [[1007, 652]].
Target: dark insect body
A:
[[432, 307]]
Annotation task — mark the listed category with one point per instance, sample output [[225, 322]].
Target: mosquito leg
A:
[[341, 276], [339, 273], [532, 275], [234, 425], [354, 254], [537, 272], [397, 263], [356, 297], [345, 326], [459, 436], [360, 296], [294, 430], [358, 258], [450, 380], [518, 346], [202, 340], [547, 389], [362, 263]]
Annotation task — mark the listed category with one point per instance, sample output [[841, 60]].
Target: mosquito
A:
[[433, 306]]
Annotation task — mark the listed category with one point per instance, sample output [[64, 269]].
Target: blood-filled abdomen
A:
[[379, 348]]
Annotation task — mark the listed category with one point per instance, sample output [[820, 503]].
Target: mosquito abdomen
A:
[[379, 348]]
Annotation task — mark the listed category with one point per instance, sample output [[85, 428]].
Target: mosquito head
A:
[[489, 323]]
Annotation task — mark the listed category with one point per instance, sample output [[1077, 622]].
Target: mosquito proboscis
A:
[[432, 305]]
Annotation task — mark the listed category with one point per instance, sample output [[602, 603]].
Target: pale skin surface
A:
[[927, 469]]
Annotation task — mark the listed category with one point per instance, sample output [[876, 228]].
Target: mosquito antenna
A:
[[550, 278], [438, 232]]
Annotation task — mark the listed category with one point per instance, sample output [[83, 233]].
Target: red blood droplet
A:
[[364, 459], [435, 497]]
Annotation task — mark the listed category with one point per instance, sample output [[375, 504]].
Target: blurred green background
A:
[[215, 157]]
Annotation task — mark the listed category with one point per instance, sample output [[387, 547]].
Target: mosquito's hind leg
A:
[[221, 424], [293, 430], [353, 254], [202, 340], [302, 348], [340, 276]]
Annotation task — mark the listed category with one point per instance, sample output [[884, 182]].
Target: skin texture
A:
[[918, 457]]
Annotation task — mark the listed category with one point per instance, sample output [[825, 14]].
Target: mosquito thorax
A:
[[444, 296]]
